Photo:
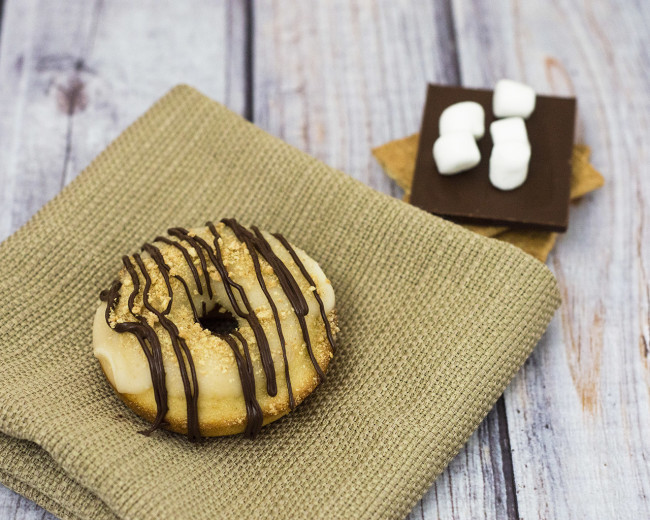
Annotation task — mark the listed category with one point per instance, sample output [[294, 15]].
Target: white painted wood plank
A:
[[581, 404], [336, 79], [15, 507], [74, 74], [33, 125]]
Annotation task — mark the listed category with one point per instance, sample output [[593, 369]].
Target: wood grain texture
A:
[[15, 507], [579, 409], [74, 74], [335, 78]]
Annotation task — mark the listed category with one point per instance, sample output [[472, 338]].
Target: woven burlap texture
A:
[[435, 321]]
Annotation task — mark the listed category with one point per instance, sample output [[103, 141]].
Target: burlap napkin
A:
[[397, 158], [434, 322]]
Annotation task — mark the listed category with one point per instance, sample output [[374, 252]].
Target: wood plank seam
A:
[[506, 460], [249, 65], [507, 466], [499, 410], [448, 10], [2, 11]]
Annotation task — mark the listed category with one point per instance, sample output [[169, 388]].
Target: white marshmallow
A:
[[455, 153], [466, 116], [512, 98], [509, 164], [508, 129]]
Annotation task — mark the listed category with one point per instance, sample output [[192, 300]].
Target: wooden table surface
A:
[[571, 437]]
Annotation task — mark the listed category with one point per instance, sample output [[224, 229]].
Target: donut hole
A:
[[218, 321]]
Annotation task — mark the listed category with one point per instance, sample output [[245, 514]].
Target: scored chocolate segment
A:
[[542, 202]]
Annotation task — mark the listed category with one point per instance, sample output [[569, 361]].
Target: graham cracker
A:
[[397, 158]]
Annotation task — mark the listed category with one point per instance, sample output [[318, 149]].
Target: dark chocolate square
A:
[[542, 202]]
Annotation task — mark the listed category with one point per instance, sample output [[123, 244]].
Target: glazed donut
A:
[[216, 330]]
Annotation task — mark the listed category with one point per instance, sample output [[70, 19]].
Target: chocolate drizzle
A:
[[249, 315], [182, 234], [254, 413], [180, 349], [311, 282], [147, 337], [188, 260], [245, 236]]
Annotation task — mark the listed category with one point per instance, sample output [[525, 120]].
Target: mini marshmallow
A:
[[466, 116], [508, 129], [509, 165], [512, 98], [455, 153]]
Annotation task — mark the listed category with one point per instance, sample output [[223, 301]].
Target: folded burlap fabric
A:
[[434, 320]]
